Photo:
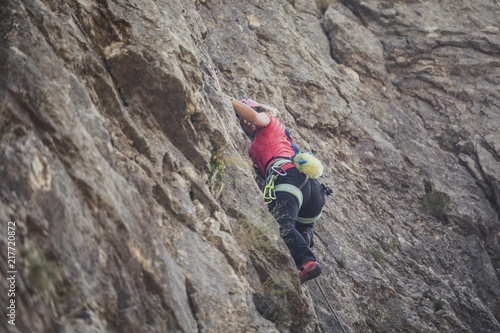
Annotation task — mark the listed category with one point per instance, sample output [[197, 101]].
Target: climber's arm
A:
[[259, 119]]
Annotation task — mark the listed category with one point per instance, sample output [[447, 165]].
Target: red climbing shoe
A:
[[309, 271]]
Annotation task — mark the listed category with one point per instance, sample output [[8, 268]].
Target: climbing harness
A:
[[270, 189], [330, 305]]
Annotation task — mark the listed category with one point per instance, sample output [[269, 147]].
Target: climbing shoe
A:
[[309, 271]]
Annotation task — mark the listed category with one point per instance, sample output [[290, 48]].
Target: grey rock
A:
[[135, 202]]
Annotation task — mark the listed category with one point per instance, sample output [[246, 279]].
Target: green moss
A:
[[389, 245], [437, 204], [341, 260], [447, 143], [45, 275], [258, 237], [216, 170], [438, 303], [497, 311], [378, 255], [380, 111], [495, 262], [272, 303]]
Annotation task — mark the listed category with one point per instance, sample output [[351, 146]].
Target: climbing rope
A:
[[330, 305], [212, 72]]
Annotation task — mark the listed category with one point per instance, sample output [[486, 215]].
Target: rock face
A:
[[135, 204]]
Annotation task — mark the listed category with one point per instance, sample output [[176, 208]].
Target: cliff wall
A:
[[134, 201]]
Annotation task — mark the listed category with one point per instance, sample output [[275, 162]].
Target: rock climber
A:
[[296, 200]]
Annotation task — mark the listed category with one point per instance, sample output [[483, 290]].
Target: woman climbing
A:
[[294, 199]]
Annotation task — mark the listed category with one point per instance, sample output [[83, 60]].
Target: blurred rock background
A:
[[135, 202]]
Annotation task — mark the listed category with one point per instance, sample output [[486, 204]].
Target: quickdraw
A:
[[269, 192]]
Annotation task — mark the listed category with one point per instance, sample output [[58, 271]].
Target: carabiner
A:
[[269, 193], [275, 169]]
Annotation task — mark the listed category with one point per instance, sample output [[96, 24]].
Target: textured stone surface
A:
[[108, 124]]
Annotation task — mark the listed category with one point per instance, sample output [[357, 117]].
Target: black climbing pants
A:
[[285, 209]]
